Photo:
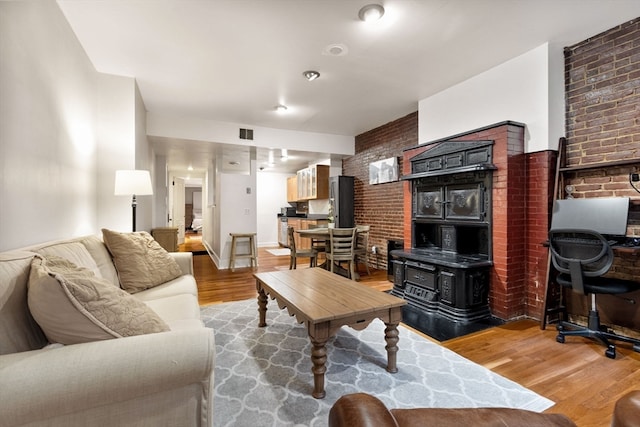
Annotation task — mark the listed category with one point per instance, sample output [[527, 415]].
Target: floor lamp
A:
[[133, 183]]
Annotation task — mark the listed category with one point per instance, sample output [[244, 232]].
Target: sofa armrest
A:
[[42, 384], [627, 410], [363, 410], [360, 410], [184, 260]]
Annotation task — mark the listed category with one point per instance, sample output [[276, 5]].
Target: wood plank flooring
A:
[[577, 376]]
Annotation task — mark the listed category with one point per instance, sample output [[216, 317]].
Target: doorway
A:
[[185, 206]]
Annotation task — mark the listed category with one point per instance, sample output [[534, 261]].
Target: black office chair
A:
[[582, 257]]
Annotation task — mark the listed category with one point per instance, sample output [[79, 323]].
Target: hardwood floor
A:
[[577, 376]]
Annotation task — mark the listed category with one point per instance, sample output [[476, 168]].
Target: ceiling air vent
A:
[[246, 134]]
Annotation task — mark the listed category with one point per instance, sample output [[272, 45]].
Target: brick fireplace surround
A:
[[602, 94], [508, 293]]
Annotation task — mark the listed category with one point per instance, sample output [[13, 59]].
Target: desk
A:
[[325, 302]]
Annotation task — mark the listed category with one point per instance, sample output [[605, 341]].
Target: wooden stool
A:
[[252, 245]]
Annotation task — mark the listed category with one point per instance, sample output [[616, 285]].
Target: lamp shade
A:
[[133, 182]]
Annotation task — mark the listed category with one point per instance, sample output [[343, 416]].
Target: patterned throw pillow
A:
[[141, 262], [72, 305]]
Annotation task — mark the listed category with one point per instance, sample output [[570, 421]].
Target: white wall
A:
[[47, 127], [227, 133], [526, 89], [238, 215], [116, 149], [160, 192], [64, 130], [271, 195], [144, 159]]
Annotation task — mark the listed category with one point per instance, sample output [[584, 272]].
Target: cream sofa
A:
[[157, 379]]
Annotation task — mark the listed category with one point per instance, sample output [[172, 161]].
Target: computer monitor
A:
[[606, 215]]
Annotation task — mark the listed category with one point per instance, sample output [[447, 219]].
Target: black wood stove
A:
[[447, 268]]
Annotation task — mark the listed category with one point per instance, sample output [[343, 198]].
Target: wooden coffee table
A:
[[325, 302]]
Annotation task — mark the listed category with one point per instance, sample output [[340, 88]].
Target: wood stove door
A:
[[428, 202], [465, 202]]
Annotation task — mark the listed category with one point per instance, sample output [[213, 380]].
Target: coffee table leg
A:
[[262, 307], [319, 359], [391, 337]]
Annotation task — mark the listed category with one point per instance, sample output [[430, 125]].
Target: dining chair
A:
[[319, 245], [361, 250], [312, 254], [342, 245]]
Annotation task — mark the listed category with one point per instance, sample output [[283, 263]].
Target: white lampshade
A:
[[133, 182]]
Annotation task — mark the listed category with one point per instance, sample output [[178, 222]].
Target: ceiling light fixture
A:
[[311, 75], [280, 108], [371, 12]]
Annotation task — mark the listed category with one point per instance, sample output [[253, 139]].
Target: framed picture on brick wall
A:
[[383, 171]]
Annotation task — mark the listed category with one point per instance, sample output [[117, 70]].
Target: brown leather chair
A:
[[364, 410], [627, 410]]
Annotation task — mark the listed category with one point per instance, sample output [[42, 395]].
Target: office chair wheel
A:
[[610, 352], [560, 339]]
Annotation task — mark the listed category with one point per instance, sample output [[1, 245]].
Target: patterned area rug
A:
[[263, 375]]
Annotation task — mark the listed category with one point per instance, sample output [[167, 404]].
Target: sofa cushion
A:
[[182, 285], [176, 308], [73, 251], [141, 262], [72, 305], [18, 330], [102, 257]]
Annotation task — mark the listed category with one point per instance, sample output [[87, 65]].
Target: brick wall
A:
[[602, 82], [603, 93], [541, 168], [507, 293], [520, 260], [381, 205]]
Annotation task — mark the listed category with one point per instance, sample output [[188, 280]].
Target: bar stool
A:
[[252, 249]]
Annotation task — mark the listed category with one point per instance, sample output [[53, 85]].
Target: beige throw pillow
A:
[[72, 305], [141, 262]]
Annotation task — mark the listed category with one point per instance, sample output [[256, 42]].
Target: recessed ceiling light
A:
[[371, 13], [335, 50], [311, 75], [280, 108]]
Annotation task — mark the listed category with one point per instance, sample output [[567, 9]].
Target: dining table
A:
[[321, 233]]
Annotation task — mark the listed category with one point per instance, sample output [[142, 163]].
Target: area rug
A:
[[263, 375], [279, 252]]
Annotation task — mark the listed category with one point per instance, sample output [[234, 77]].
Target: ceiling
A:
[[235, 60]]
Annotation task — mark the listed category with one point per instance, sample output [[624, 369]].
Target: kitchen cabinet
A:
[[292, 189], [304, 224], [313, 182], [295, 223]]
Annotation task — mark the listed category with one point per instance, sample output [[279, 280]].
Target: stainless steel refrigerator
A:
[[341, 191]]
